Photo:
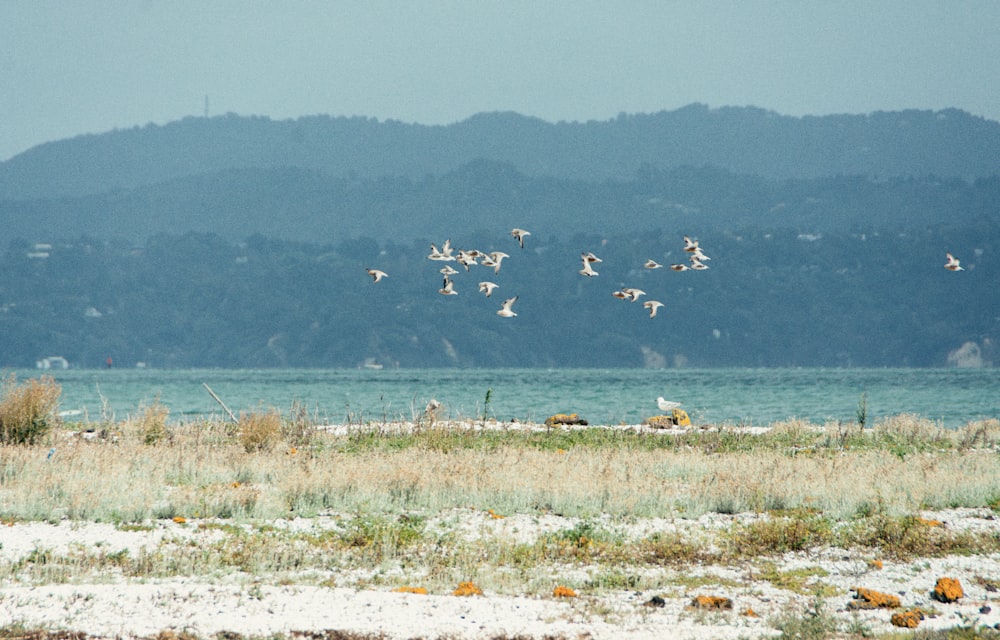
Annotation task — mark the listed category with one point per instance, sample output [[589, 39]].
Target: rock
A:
[[655, 601], [564, 419], [871, 599], [711, 602], [909, 618], [947, 590]]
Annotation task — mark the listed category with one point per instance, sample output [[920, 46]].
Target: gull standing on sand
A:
[[505, 311], [666, 405], [519, 235], [376, 274], [487, 288], [953, 263], [653, 306]]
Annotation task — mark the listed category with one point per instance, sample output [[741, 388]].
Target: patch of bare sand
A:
[[110, 606]]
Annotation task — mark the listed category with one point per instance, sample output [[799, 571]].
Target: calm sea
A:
[[951, 397]]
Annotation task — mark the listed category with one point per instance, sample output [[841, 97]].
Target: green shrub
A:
[[27, 411]]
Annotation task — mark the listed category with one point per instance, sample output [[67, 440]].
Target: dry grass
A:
[[27, 411]]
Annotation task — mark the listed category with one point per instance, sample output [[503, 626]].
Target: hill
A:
[[742, 140]]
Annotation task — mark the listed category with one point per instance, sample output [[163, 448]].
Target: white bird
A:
[[376, 274], [493, 259], [588, 256], [505, 309], [652, 264], [487, 288], [466, 259], [699, 254], [437, 254], [447, 270], [519, 235], [653, 306], [953, 263], [679, 267], [448, 289], [621, 295], [587, 270], [666, 405], [633, 293], [697, 264], [689, 244]]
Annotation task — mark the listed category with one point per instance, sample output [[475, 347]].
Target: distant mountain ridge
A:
[[742, 140]]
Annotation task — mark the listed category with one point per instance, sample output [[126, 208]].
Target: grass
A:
[[419, 507]]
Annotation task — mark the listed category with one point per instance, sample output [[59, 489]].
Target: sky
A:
[[90, 66]]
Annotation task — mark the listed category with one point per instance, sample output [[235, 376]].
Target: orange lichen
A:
[[947, 590], [930, 523], [750, 613], [711, 602], [871, 599], [419, 590], [495, 515], [875, 564], [909, 618], [560, 419], [467, 589], [179, 519], [660, 422], [563, 592]]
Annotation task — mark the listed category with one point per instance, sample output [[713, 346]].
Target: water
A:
[[951, 397]]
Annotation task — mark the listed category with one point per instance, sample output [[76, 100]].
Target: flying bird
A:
[[588, 256], [487, 288], [519, 235], [698, 254], [953, 263], [376, 274], [587, 270], [679, 267], [666, 405], [493, 259], [505, 309], [652, 264], [689, 244], [697, 264], [448, 288], [653, 306], [633, 293], [448, 270]]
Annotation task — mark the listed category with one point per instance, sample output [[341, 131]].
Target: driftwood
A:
[[221, 403]]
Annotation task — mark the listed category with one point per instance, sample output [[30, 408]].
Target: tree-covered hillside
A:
[[772, 297]]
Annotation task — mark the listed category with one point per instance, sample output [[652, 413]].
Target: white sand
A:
[[110, 606]]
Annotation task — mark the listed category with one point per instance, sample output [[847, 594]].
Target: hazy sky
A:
[[87, 66]]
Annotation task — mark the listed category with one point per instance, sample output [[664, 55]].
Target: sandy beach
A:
[[109, 605]]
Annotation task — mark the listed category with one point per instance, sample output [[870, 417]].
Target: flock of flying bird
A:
[[494, 259]]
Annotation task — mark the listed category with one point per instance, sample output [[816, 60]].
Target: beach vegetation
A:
[[27, 410]]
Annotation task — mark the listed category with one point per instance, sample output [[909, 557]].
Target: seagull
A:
[[376, 274], [447, 270], [679, 267], [621, 295], [493, 259], [487, 288], [666, 405], [437, 254], [633, 293], [652, 305], [467, 259], [652, 264], [504, 311], [588, 256], [689, 244], [587, 270], [953, 263], [697, 264], [697, 253], [448, 289], [519, 235]]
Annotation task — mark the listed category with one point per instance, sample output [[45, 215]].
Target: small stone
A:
[[655, 601]]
